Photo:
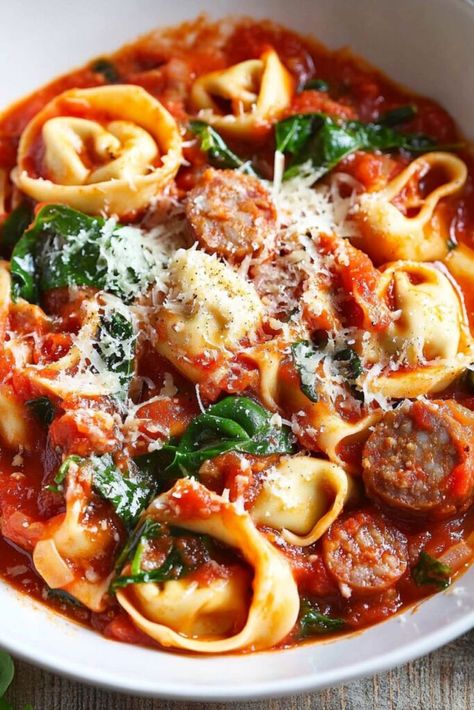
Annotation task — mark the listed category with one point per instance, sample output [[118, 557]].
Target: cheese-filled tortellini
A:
[[107, 149], [217, 608], [208, 310], [318, 424], [460, 263], [15, 427], [14, 423], [301, 496], [254, 93], [387, 234], [90, 365], [428, 342], [253, 606], [70, 555]]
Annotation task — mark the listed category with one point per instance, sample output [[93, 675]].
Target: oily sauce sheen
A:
[[360, 570]]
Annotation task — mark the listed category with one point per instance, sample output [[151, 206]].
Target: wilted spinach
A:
[[430, 571], [64, 247], [325, 141], [219, 153], [233, 424]]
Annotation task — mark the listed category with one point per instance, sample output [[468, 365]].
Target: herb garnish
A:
[[219, 153], [430, 571], [107, 69], [233, 424], [43, 409], [324, 141], [312, 622], [128, 491]]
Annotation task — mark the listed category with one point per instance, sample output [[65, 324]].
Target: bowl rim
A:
[[58, 663]]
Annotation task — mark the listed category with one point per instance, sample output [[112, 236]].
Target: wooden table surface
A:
[[441, 681]]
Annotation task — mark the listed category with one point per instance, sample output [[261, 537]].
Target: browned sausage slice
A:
[[419, 460], [231, 214], [364, 553]]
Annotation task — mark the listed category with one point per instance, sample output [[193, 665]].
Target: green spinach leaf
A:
[[107, 69], [146, 530], [316, 85], [172, 568], [7, 671], [63, 597], [293, 133], [233, 424], [129, 492], [65, 247], [430, 571], [302, 353], [219, 153], [323, 141], [43, 409], [115, 344], [399, 115], [13, 227], [313, 623], [351, 364]]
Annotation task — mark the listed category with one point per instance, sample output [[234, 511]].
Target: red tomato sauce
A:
[[167, 70]]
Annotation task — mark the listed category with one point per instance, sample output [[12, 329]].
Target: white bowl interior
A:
[[424, 44]]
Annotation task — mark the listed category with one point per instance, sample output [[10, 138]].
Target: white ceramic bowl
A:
[[425, 44]]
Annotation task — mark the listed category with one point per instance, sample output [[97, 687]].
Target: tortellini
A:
[[14, 424], [428, 343], [83, 369], [460, 263], [257, 91], [15, 428], [321, 426], [217, 608], [107, 149], [302, 497], [208, 310], [202, 623], [386, 234], [72, 541]]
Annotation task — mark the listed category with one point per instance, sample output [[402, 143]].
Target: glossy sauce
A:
[[166, 70]]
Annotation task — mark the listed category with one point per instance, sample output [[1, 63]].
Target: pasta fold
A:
[[428, 343], [257, 92], [272, 610], [72, 541], [209, 309], [387, 234], [280, 390], [301, 496], [107, 149]]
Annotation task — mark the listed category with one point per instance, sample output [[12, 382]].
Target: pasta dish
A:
[[236, 365]]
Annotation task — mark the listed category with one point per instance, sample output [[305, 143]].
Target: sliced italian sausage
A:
[[419, 460], [364, 553], [230, 214]]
